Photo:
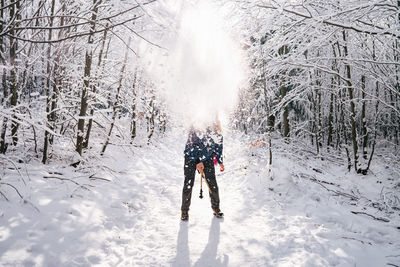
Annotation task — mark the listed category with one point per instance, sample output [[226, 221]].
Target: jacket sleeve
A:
[[218, 149]]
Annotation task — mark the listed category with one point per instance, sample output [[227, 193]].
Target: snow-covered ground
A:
[[301, 217]]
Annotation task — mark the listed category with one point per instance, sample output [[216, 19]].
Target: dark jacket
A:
[[204, 145]]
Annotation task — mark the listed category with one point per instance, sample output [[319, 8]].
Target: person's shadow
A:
[[182, 247], [209, 255]]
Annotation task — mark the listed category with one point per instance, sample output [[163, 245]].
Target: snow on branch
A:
[[381, 31]]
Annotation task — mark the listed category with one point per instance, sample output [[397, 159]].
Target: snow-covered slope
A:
[[301, 217]]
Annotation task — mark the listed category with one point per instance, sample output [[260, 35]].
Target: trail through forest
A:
[[134, 220], [95, 96]]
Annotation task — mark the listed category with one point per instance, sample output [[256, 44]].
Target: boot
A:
[[217, 213], [184, 215]]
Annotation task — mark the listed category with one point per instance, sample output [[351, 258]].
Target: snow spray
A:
[[204, 68]]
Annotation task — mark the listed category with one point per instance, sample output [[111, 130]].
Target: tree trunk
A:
[[48, 88], [134, 116], [270, 118], [86, 80], [395, 99], [395, 120], [337, 98], [330, 118], [364, 130], [151, 119], [13, 75], [318, 95], [114, 115], [344, 130], [352, 105], [375, 130], [341, 110], [94, 89], [285, 116], [3, 144], [315, 120]]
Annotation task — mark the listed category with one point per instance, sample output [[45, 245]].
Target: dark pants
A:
[[209, 173]]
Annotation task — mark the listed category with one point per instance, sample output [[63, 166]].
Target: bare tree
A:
[[86, 79], [116, 102]]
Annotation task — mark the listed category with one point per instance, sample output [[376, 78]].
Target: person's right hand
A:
[[200, 167]]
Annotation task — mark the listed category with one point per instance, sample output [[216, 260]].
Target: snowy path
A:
[[134, 220]]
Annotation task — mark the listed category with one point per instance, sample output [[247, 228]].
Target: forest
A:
[[325, 73], [83, 80]]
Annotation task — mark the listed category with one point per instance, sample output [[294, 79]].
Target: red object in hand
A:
[[222, 167], [215, 160]]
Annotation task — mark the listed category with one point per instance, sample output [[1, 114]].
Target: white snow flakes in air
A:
[[204, 67]]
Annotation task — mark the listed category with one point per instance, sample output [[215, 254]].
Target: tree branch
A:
[[76, 35], [332, 23]]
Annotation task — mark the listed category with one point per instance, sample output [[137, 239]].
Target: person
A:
[[202, 147]]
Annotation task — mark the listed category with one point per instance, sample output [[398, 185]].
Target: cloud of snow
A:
[[204, 67]]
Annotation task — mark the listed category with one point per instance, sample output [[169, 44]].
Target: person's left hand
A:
[[222, 167]]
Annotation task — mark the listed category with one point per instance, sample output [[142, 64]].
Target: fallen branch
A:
[[33, 206], [99, 178], [16, 168], [317, 170], [352, 238], [58, 173], [93, 177], [321, 183], [60, 178], [4, 196], [303, 175], [338, 193], [372, 216], [79, 186], [66, 179], [16, 190]]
